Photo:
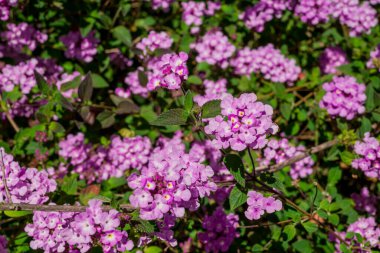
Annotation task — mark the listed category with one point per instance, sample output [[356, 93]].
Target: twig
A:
[[56, 208], [9, 117], [4, 178]]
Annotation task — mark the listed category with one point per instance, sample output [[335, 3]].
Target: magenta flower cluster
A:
[[344, 97], [313, 11], [194, 11], [368, 151], [278, 151], [332, 58], [78, 232], [365, 201], [214, 48], [3, 244], [244, 123], [5, 6], [23, 35], [102, 163], [171, 70], [213, 90], [155, 40], [172, 181], [25, 185], [374, 61], [268, 61], [79, 47], [220, 231], [258, 205]]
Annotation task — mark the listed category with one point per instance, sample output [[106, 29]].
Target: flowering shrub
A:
[[189, 126]]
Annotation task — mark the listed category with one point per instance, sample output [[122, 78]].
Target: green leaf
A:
[[152, 249], [65, 103], [237, 198], [303, 246], [98, 81], [144, 226], [85, 88], [73, 84], [211, 109], [273, 180], [188, 101], [122, 34], [194, 80], [370, 101], [41, 83], [236, 167], [113, 182], [16, 214], [171, 117], [56, 127], [286, 110], [290, 232], [143, 78], [365, 126], [70, 184], [347, 157], [310, 227], [127, 107], [106, 118], [334, 175], [334, 219]]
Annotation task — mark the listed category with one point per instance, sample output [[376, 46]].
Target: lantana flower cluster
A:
[[332, 58], [365, 201], [78, 232], [374, 61], [79, 47], [102, 163], [278, 151], [170, 73], [155, 40], [268, 61], [344, 97], [313, 11], [220, 231], [161, 4], [369, 156], [194, 11], [172, 181], [25, 185], [244, 123], [258, 205], [134, 85], [213, 90], [23, 35], [214, 48], [5, 6]]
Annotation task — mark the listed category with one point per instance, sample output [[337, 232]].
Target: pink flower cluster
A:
[[25, 185], [244, 123], [268, 61], [369, 152], [171, 70], [23, 35], [374, 61], [313, 11], [172, 181], [80, 48], [213, 91], [214, 48], [104, 162], [163, 4], [134, 86], [264, 11], [369, 231], [220, 231], [258, 205], [278, 151], [194, 11], [78, 232], [344, 97], [365, 201], [155, 40], [5, 6], [332, 58]]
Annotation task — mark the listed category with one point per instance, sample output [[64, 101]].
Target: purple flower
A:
[[155, 40], [365, 201], [80, 48], [313, 11], [370, 165], [374, 61], [258, 205], [332, 58]]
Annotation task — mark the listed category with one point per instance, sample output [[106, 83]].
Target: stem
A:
[[56, 208], [253, 164], [4, 179], [9, 117]]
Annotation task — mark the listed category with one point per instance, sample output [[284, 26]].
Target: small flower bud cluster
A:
[[23, 35], [268, 61], [313, 12], [119, 60], [332, 58], [155, 40], [194, 11], [243, 123], [365, 201], [80, 48], [161, 4], [369, 152], [278, 151], [172, 181], [214, 48], [213, 90], [104, 162], [258, 205], [65, 78], [374, 61], [25, 185], [78, 232], [5, 6], [220, 231], [171, 70], [344, 97]]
